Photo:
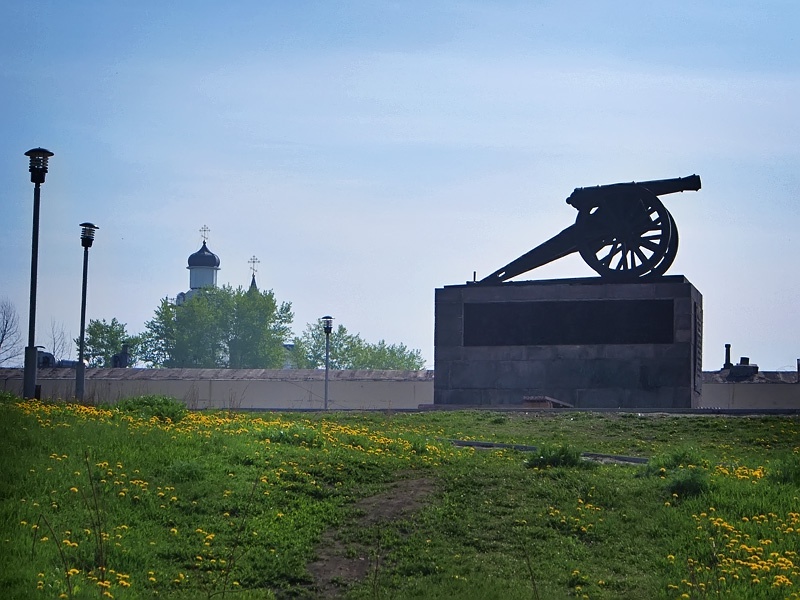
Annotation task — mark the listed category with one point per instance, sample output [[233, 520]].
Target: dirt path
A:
[[337, 564]]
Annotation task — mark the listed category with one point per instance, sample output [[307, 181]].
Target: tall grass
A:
[[141, 499]]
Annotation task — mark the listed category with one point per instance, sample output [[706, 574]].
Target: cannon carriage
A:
[[622, 231]]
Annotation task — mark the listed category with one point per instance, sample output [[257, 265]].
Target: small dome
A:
[[203, 258]]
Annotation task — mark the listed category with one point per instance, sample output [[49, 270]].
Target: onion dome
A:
[[204, 258]]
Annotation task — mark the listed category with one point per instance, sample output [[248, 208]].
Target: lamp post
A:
[[87, 238], [327, 326], [38, 169]]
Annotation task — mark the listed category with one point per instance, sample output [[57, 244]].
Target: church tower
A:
[[254, 268], [203, 266]]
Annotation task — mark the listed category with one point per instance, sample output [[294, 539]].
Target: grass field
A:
[[145, 500]]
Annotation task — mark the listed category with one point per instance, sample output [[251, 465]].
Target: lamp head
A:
[[87, 234], [327, 324], [38, 165]]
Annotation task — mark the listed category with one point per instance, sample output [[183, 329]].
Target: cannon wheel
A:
[[636, 236], [672, 251]]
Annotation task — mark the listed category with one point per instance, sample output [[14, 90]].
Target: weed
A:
[[294, 435], [786, 470], [688, 483], [145, 407], [182, 471], [555, 456], [673, 459], [172, 509]]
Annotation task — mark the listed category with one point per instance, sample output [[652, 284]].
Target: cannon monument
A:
[[630, 338]]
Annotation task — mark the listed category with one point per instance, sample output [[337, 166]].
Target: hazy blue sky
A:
[[368, 152]]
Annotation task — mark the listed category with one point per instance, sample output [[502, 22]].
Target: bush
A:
[[147, 407]]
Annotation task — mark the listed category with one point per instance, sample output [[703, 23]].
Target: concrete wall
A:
[[240, 389], [347, 389], [623, 372], [741, 396]]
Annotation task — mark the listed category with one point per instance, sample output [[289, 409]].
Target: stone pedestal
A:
[[583, 342]]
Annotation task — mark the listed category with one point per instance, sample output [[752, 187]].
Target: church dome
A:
[[204, 258]]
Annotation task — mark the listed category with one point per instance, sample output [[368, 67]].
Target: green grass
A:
[[143, 499]]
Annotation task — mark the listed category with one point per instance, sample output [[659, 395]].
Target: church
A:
[[203, 266]]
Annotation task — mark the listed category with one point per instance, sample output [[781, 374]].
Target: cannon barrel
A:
[[670, 186], [659, 187]]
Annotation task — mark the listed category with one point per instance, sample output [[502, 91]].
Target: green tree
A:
[[259, 330], [159, 338], [219, 328], [389, 356], [103, 340], [350, 351]]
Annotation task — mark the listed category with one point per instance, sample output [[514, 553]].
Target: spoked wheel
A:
[[634, 236], [672, 251]]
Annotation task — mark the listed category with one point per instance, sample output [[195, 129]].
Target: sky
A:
[[368, 152]]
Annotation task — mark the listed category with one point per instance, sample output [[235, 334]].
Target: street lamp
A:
[[327, 326], [87, 238], [38, 170]]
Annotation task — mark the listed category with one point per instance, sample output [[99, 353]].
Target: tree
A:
[[259, 330], [10, 338], [389, 356], [60, 346], [104, 340], [219, 328], [350, 351]]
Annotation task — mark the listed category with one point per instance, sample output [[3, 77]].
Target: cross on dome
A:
[[254, 262]]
